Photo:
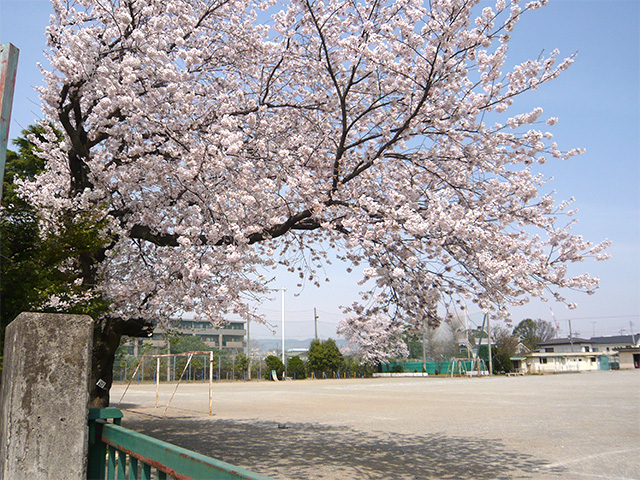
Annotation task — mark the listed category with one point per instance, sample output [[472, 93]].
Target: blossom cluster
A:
[[212, 138]]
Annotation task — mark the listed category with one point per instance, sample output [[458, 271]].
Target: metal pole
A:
[[130, 380], [168, 359], [424, 348], [210, 383], [248, 352], [283, 290], [8, 69], [157, 379], [178, 384], [315, 321], [489, 343]]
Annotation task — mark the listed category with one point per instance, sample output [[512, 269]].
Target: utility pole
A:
[[424, 348], [570, 335], [315, 321], [248, 351], [8, 69], [489, 343], [553, 315], [633, 337]]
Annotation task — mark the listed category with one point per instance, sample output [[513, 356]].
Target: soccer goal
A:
[[157, 358]]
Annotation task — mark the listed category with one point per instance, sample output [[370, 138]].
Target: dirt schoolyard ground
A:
[[570, 426]]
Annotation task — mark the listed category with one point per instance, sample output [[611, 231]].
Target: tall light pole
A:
[[283, 290], [248, 351]]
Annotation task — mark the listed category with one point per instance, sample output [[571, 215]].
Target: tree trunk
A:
[[106, 339]]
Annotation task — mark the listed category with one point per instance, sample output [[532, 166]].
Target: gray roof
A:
[[613, 339], [565, 341]]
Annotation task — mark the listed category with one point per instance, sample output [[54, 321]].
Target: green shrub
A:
[[296, 368], [273, 363]]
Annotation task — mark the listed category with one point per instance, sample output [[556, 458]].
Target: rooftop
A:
[[564, 341], [607, 339]]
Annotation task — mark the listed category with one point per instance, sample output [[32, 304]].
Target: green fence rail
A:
[[117, 453], [432, 368], [456, 366]]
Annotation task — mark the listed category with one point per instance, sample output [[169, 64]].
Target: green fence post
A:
[[133, 468], [97, 449]]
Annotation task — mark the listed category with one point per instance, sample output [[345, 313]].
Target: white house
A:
[[565, 345], [552, 362], [564, 355]]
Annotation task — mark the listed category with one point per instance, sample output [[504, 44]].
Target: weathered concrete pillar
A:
[[45, 397]]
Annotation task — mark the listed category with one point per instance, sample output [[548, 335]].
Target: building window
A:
[[586, 348], [548, 349], [543, 360]]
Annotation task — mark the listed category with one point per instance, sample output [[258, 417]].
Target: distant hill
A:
[[266, 345]]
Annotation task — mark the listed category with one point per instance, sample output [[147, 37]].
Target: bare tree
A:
[[532, 332]]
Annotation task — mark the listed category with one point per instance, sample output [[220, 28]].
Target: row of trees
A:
[[449, 342], [323, 359]]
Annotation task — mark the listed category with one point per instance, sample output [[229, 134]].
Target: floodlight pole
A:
[[283, 290], [8, 68], [248, 351]]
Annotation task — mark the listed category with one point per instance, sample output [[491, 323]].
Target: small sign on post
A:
[[8, 69]]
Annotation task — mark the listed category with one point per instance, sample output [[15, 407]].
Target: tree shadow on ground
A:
[[303, 451]]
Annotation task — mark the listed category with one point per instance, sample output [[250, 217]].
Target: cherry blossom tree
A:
[[216, 139]]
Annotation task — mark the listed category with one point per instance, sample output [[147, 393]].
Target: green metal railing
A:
[[117, 453]]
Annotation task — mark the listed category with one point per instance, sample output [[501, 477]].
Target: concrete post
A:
[[45, 397]]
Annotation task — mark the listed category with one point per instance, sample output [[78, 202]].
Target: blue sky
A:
[[597, 102]]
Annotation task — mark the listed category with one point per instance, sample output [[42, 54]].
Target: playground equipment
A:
[[471, 367], [189, 356]]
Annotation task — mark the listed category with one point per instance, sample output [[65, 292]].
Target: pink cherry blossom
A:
[[224, 138]]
